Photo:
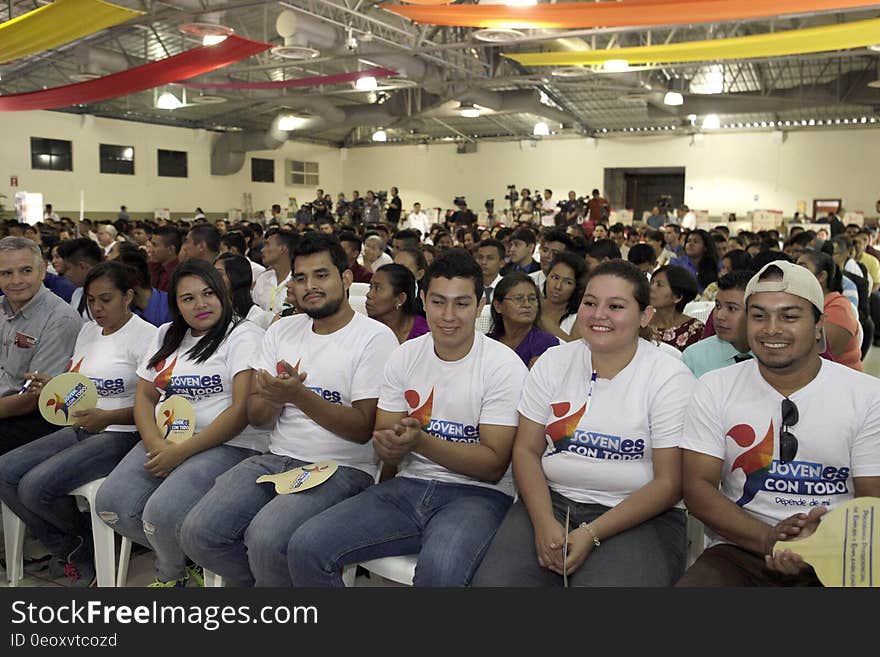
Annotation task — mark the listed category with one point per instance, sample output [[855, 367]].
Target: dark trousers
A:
[[729, 565], [18, 431]]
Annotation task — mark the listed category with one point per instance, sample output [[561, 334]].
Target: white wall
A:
[[145, 190], [726, 172]]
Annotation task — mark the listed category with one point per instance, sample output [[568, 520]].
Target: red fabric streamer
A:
[[301, 82], [186, 65]]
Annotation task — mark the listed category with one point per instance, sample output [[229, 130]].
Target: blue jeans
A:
[[36, 479], [150, 510], [240, 529], [449, 526]]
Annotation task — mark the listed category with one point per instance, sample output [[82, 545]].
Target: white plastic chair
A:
[[102, 536], [484, 321], [699, 310], [696, 538], [358, 290], [13, 542], [358, 304], [212, 580], [398, 569]]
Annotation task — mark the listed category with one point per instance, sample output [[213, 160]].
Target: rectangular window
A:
[[51, 154], [302, 173], [262, 170], [172, 164], [117, 159]]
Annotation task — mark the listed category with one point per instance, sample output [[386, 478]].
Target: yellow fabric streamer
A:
[[54, 25], [856, 34]]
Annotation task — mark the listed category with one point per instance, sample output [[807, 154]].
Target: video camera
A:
[[664, 202], [490, 205], [459, 202], [512, 195], [382, 195]]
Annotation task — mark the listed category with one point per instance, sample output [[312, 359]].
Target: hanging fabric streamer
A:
[[189, 64], [857, 34], [58, 23], [628, 13]]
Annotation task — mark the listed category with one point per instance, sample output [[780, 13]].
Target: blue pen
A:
[[27, 384]]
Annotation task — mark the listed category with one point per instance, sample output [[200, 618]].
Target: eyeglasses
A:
[[788, 443], [522, 299]]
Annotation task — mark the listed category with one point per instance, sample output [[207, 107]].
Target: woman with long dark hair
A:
[[236, 272], [841, 321], [36, 478], [203, 355], [700, 258], [563, 290], [516, 317], [392, 301]]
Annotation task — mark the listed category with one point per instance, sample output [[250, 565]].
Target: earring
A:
[[398, 306]]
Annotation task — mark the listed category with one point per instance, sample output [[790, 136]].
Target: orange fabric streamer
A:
[[629, 13]]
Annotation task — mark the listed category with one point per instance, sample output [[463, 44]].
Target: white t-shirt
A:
[[111, 361], [689, 221], [260, 317], [256, 270], [568, 323], [735, 415], [75, 299], [208, 385], [540, 278], [452, 399], [603, 453], [268, 293], [342, 367], [419, 221]]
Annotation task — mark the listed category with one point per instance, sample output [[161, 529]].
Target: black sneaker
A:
[[80, 575]]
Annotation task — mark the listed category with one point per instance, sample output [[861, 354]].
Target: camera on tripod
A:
[[512, 195], [490, 205], [382, 195], [459, 202]]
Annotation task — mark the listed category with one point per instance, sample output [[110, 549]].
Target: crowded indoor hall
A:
[[269, 323]]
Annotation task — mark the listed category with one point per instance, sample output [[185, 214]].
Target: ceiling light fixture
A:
[[541, 129], [209, 32], [288, 122], [380, 135], [571, 72], [615, 65], [469, 111], [711, 122], [498, 35], [168, 101], [366, 83], [673, 98]]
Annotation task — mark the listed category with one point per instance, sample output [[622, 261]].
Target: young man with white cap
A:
[[788, 436]]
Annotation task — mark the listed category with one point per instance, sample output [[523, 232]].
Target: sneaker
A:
[[174, 583], [81, 574], [196, 573], [56, 567]]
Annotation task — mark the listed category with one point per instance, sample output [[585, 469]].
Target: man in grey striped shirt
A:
[[37, 333]]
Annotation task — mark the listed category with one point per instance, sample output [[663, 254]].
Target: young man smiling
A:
[[317, 378], [730, 344], [786, 431], [447, 418]]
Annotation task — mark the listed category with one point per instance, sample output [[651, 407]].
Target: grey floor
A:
[[141, 567]]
